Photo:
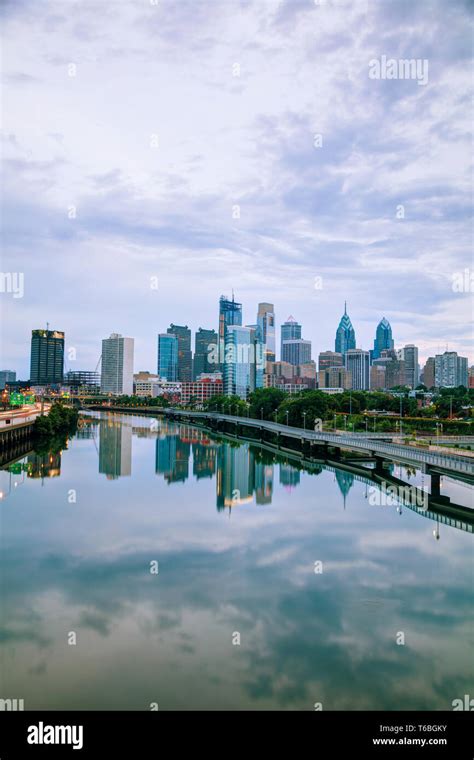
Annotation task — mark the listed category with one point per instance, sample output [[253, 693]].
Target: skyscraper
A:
[[290, 330], [203, 339], [294, 349], [345, 334], [429, 372], [242, 373], [266, 323], [358, 364], [383, 339], [117, 365], [168, 356], [230, 313], [47, 357], [409, 354], [450, 370], [185, 362]]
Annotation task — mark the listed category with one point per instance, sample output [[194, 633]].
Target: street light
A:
[[261, 412], [304, 420], [366, 425], [286, 416], [335, 423]]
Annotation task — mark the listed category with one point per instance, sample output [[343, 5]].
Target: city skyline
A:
[[151, 362], [271, 158]]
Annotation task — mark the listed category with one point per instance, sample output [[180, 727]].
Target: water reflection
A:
[[305, 637]]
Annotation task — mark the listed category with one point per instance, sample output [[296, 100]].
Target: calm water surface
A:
[[236, 533]]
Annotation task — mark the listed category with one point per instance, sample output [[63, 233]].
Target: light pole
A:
[[335, 423], [261, 413], [366, 425], [304, 420], [345, 422], [275, 413], [286, 417], [401, 414]]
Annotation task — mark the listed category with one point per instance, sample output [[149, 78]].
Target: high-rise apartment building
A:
[[450, 370], [167, 365], [117, 365], [185, 360], [47, 357]]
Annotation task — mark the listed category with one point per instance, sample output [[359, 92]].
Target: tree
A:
[[265, 400]]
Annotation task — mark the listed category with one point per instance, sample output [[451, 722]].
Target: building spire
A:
[[345, 307]]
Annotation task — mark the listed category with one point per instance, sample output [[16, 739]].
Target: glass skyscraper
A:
[[185, 361], [168, 357], [266, 323], [290, 330], [47, 357], [383, 339], [230, 313], [204, 339], [345, 334], [243, 370]]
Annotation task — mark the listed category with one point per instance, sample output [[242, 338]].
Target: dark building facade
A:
[[47, 357], [203, 339], [185, 361]]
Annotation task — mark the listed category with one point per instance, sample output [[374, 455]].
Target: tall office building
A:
[[383, 339], [358, 364], [47, 357], [185, 361], [290, 330], [429, 373], [204, 341], [409, 354], [242, 373], [6, 376], [168, 357], [230, 313], [117, 365], [345, 334], [296, 351], [450, 370], [329, 359], [266, 323]]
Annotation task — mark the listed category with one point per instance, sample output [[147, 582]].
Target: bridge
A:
[[434, 463], [17, 424]]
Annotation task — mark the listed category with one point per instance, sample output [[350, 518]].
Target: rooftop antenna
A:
[[47, 326]]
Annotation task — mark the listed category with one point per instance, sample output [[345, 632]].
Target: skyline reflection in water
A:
[[148, 491]]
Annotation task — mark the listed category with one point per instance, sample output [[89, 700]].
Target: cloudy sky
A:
[[205, 145]]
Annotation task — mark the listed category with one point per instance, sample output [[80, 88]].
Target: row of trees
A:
[[343, 409]]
